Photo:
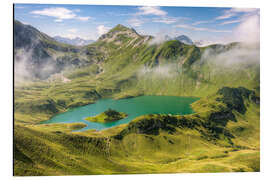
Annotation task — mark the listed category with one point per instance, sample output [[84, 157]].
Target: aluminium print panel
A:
[[101, 89]]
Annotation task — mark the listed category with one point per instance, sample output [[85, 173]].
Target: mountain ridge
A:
[[73, 41], [45, 55], [184, 39]]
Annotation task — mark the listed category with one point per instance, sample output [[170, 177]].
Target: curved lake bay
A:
[[134, 107]]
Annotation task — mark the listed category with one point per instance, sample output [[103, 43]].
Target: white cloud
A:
[[219, 31], [230, 22], [151, 10], [85, 18], [166, 20], [227, 15], [135, 22], [70, 36], [249, 30], [243, 15], [244, 10], [186, 26], [231, 13], [160, 16], [91, 36], [60, 14], [73, 30], [235, 11], [138, 21], [163, 35], [161, 71], [240, 13], [202, 22], [58, 20], [238, 55], [102, 29]]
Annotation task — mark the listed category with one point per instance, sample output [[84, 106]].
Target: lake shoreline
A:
[[174, 105]]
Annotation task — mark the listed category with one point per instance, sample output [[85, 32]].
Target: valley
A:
[[220, 132]]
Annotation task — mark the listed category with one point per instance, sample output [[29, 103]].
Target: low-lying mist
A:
[[29, 67], [164, 71], [32, 65], [239, 55]]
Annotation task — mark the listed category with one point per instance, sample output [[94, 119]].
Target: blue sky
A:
[[90, 21]]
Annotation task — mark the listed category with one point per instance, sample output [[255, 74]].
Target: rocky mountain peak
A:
[[119, 32]]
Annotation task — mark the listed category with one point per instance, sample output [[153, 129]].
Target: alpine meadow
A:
[[135, 90]]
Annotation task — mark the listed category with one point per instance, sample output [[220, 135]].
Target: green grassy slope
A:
[[222, 136], [42, 56]]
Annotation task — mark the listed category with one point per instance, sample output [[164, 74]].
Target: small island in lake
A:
[[109, 115]]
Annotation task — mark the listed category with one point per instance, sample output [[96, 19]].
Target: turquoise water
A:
[[134, 107]]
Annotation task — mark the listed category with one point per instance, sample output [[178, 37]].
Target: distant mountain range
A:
[[184, 39], [73, 41], [201, 43], [38, 55]]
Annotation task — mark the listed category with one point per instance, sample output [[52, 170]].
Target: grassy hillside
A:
[[222, 136], [38, 56]]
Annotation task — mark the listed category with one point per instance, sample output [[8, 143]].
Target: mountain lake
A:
[[133, 107]]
